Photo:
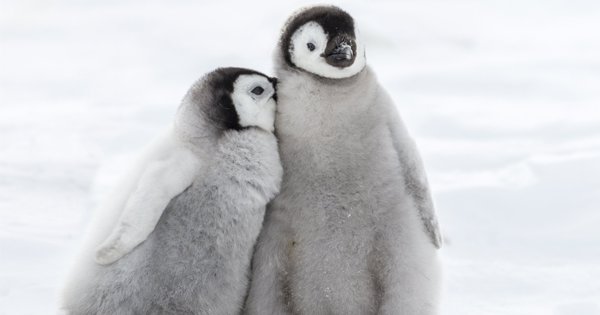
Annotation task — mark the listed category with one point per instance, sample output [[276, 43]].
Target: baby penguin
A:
[[353, 230], [178, 236]]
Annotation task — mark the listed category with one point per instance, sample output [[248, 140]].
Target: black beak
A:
[[340, 51]]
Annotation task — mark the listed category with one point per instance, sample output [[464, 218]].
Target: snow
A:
[[501, 96]]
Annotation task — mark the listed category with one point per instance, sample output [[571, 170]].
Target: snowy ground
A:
[[502, 96]]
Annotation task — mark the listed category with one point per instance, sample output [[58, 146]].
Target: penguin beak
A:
[[340, 51]]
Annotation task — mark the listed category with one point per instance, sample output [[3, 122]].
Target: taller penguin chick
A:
[[179, 235], [353, 230]]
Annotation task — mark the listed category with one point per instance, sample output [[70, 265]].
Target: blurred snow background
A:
[[503, 98]]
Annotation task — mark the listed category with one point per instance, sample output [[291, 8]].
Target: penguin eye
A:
[[311, 46], [257, 90]]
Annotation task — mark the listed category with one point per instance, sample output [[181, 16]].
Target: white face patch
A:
[[312, 61], [253, 100]]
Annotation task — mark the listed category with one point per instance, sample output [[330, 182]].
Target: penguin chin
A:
[[326, 70]]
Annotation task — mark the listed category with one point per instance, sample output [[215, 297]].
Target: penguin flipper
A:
[[416, 180], [160, 181]]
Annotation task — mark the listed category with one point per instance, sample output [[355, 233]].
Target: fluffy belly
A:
[[330, 250], [332, 276], [335, 202]]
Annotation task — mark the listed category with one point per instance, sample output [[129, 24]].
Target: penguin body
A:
[[196, 252], [353, 229]]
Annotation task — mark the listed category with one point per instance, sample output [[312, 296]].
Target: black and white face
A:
[[253, 98], [324, 41], [239, 98]]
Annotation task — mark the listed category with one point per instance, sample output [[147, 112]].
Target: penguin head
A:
[[228, 99], [323, 40]]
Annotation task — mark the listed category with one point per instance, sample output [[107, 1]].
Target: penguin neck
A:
[[314, 84], [310, 103]]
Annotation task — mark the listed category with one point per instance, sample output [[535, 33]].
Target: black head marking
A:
[[221, 111], [334, 21], [274, 81]]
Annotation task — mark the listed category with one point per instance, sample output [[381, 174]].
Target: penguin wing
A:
[[166, 174], [415, 178]]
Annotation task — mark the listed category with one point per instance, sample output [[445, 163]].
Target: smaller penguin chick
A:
[[170, 165], [177, 236]]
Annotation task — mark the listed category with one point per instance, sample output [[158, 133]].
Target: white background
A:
[[503, 98]]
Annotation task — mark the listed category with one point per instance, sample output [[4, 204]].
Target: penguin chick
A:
[[353, 230], [178, 236]]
